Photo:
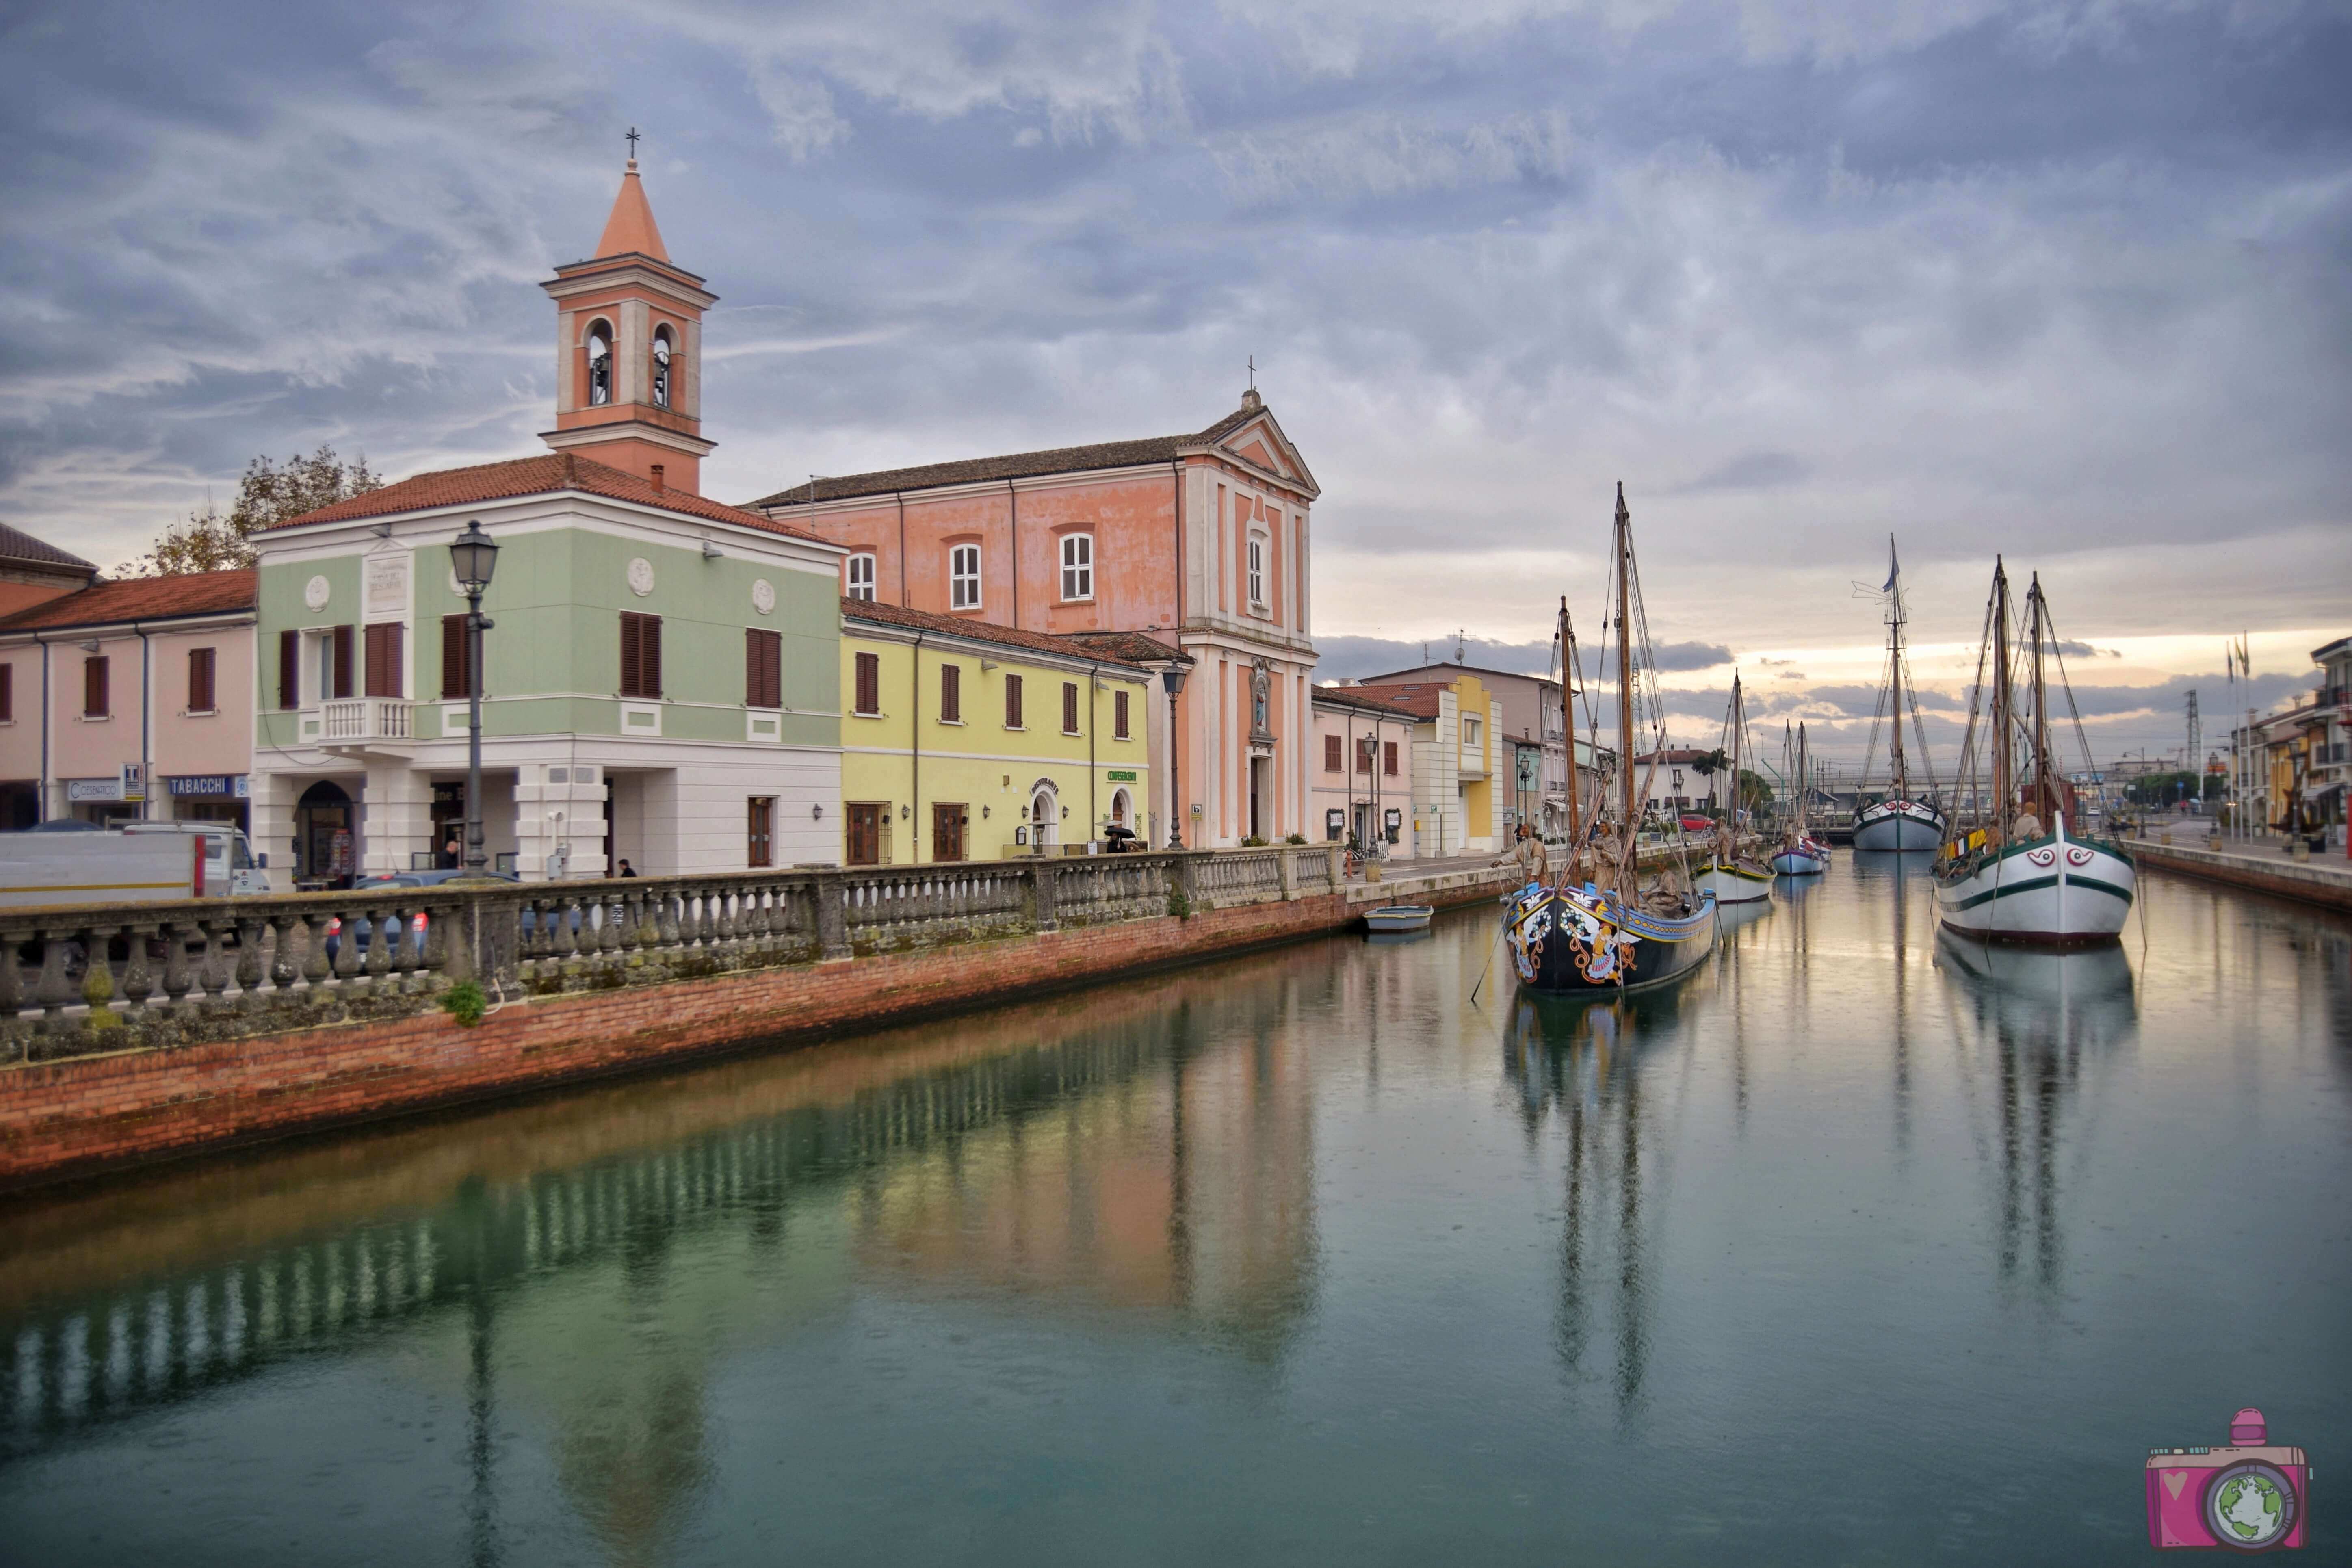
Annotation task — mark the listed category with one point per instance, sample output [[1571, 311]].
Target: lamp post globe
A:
[[473, 557], [1172, 678]]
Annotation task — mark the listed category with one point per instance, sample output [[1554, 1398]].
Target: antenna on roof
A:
[[1457, 644]]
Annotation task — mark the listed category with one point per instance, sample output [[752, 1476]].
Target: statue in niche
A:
[[1261, 696]]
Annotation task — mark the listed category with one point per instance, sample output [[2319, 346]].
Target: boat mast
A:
[[2042, 718], [1624, 688], [2002, 787], [1730, 835], [1804, 778], [1568, 674], [1902, 780]]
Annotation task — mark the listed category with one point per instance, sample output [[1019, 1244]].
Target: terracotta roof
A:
[[17, 545], [876, 612], [552, 473], [1135, 647], [1018, 465], [1356, 697], [1418, 699], [630, 229], [140, 599], [1401, 674]]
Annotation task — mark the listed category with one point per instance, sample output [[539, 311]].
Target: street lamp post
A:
[[473, 556], [1172, 678]]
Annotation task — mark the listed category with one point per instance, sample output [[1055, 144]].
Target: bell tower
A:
[[628, 350]]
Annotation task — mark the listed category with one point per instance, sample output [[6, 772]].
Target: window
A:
[[861, 577], [455, 659], [869, 685], [640, 655], [950, 694], [661, 386], [963, 577], [764, 670], [760, 847], [384, 673], [1069, 708], [1012, 703], [97, 699], [290, 668], [1389, 758], [335, 664], [1332, 751], [1077, 566], [600, 364], [1119, 730], [7, 694], [1364, 749], [1257, 571], [200, 680]]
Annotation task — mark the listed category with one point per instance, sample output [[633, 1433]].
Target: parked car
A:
[[394, 924]]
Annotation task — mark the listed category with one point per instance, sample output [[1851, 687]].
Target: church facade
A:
[[1200, 539]]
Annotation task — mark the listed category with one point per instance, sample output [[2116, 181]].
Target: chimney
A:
[[656, 472]]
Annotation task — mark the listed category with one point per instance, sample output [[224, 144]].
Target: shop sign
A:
[[1121, 775], [239, 786], [93, 789]]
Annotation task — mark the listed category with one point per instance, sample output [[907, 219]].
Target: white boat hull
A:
[[2054, 891], [1802, 862], [1898, 824], [1735, 884]]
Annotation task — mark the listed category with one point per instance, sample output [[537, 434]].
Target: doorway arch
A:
[[326, 848], [1045, 814], [1122, 808]]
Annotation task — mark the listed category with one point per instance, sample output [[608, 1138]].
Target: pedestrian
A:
[[627, 870], [450, 853]]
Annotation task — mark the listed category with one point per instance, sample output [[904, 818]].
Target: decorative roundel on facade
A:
[[763, 596], [641, 576], [315, 591]]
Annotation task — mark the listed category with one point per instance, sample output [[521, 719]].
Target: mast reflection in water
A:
[[1862, 1242]]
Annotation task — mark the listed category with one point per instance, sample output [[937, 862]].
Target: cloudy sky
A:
[[2068, 280]]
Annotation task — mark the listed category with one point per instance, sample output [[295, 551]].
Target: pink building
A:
[[1362, 777], [129, 700], [1202, 539]]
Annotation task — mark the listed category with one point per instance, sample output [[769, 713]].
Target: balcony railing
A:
[[366, 719]]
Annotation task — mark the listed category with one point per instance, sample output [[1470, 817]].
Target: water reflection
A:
[[2049, 1020]]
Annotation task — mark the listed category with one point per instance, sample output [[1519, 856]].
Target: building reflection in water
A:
[[579, 1266], [2049, 1021]]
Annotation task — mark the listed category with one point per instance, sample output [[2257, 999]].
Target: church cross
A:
[[633, 142], [1253, 370]]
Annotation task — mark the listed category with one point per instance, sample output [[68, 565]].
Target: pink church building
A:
[[1202, 539]]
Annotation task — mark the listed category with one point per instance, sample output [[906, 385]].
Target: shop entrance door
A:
[[865, 835]]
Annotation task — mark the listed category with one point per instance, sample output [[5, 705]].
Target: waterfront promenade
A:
[[2189, 847]]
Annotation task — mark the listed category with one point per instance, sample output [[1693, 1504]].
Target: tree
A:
[[265, 494]]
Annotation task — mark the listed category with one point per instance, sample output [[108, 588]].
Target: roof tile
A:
[[140, 599], [879, 613], [15, 544], [546, 475]]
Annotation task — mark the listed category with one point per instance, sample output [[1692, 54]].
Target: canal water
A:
[[1860, 1247]]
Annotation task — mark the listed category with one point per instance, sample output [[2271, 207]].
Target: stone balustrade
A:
[[78, 980]]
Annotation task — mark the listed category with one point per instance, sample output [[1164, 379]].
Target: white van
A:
[[138, 863]]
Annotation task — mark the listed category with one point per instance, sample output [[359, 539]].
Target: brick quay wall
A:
[[203, 1026]]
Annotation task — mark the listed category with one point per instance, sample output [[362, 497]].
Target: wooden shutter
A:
[[382, 643], [763, 668], [94, 693], [1118, 715], [455, 681], [951, 693], [869, 683], [290, 668], [640, 655], [7, 693], [1330, 753], [1012, 703], [1389, 758], [200, 680], [343, 641], [1069, 708]]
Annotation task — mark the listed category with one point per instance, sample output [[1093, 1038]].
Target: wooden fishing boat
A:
[[1903, 820], [1399, 916], [1731, 877], [1595, 930], [1801, 852], [2021, 876]]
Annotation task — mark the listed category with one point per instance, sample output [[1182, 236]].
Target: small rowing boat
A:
[[1399, 916]]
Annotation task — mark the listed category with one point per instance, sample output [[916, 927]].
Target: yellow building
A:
[[1460, 768], [963, 740]]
